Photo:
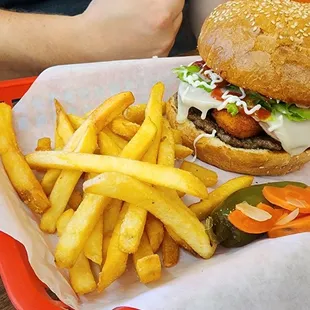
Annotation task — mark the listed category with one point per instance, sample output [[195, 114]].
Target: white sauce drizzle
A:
[[203, 135], [238, 101], [276, 124]]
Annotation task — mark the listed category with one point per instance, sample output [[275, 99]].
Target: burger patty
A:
[[262, 141]]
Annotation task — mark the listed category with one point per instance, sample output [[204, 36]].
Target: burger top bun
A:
[[261, 45]]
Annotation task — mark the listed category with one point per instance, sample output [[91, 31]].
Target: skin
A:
[[31, 43]]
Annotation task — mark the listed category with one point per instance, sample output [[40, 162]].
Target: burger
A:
[[244, 107]]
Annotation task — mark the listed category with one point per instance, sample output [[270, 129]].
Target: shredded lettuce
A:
[[232, 109], [183, 72], [290, 111]]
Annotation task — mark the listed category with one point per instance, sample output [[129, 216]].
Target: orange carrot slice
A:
[[248, 225], [299, 225], [289, 197]]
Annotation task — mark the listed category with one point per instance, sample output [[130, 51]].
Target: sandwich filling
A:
[[241, 118]]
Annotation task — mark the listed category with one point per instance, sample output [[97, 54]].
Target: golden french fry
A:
[[141, 142], [105, 246], [100, 117], [154, 174], [80, 227], [81, 276], [119, 141], [135, 113], [44, 144], [133, 191], [107, 145], [76, 121], [171, 251], [59, 143], [75, 200], [63, 134], [166, 153], [182, 151], [63, 125], [154, 111], [147, 264], [110, 216], [208, 177], [132, 229], [93, 246], [124, 128], [16, 167], [134, 221], [155, 232], [63, 221], [177, 135], [205, 207], [91, 208], [116, 260], [179, 241], [66, 183]]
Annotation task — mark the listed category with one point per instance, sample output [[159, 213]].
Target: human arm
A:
[[107, 30]]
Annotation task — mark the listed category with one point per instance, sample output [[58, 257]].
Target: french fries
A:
[[204, 208], [75, 200], [147, 264], [17, 169], [132, 229], [93, 206], [171, 251], [63, 133], [177, 135], [63, 221], [80, 227], [173, 178], [181, 151], [120, 142], [93, 246], [155, 232], [81, 276], [208, 177], [134, 221], [133, 191], [116, 260], [44, 144], [66, 183], [76, 121], [110, 216], [135, 113], [130, 202], [107, 145], [124, 128]]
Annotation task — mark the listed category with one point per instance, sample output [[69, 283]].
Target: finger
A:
[[176, 7], [177, 23]]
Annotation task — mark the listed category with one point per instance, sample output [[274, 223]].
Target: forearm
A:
[[31, 43]]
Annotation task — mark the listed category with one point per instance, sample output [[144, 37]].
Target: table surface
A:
[[5, 303]]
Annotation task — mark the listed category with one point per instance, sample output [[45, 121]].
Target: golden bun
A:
[[261, 45], [217, 153]]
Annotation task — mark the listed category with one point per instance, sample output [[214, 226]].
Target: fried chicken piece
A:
[[240, 126]]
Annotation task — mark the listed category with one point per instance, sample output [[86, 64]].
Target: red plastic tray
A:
[[24, 289]]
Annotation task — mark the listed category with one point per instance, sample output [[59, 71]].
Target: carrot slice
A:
[[299, 225], [248, 225], [289, 197]]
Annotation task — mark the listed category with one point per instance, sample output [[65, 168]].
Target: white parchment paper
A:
[[268, 274]]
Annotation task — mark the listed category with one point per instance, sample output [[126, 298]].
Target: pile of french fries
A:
[[131, 205]]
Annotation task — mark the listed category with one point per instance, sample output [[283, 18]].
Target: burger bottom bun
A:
[[217, 153]]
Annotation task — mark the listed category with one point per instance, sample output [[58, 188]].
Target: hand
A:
[[133, 28]]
